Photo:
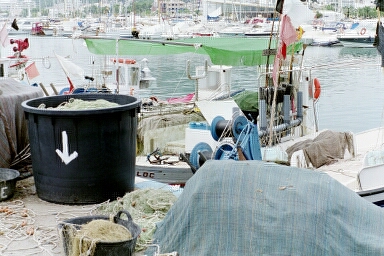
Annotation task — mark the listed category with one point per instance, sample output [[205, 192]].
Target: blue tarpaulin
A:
[[355, 25], [258, 208]]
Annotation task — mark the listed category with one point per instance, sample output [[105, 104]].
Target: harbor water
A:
[[351, 79]]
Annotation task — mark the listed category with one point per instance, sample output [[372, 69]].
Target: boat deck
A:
[[347, 170]]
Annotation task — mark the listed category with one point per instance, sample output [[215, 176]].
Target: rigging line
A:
[[333, 65], [178, 84], [380, 139], [270, 42], [352, 62], [159, 42], [275, 91], [183, 75]]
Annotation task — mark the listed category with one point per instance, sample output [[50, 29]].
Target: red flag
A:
[[4, 36], [32, 71], [288, 34]]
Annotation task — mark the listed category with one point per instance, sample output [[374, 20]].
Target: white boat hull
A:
[[357, 41], [173, 174]]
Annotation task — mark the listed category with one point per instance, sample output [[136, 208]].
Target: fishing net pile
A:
[[161, 121], [82, 240], [260, 208], [79, 104], [153, 125], [146, 206]]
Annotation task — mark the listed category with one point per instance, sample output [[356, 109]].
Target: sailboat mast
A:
[[134, 15]]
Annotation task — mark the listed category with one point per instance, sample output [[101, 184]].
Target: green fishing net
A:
[[146, 206], [79, 104]]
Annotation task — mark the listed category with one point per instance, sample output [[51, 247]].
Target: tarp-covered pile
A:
[[326, 148], [259, 208], [13, 126]]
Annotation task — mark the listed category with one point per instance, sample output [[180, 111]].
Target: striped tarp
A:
[[259, 208], [13, 126]]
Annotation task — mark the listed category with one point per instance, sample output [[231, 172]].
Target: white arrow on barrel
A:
[[64, 155]]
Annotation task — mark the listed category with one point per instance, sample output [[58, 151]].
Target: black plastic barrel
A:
[[99, 146]]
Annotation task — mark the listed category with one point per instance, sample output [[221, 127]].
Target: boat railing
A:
[[166, 109], [336, 65], [304, 80], [331, 65]]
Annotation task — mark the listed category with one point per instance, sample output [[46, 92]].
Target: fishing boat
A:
[[358, 39], [294, 99], [287, 97], [37, 29], [21, 27], [214, 78], [46, 28], [298, 196], [178, 116], [233, 30], [359, 35]]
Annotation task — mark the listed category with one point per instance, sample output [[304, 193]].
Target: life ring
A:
[[124, 61], [317, 88], [362, 31]]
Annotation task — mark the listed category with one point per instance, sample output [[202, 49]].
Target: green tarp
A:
[[247, 100], [231, 51]]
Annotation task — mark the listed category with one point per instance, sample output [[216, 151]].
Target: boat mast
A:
[[205, 11], [271, 51]]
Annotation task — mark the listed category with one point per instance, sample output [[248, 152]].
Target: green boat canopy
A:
[[229, 51]]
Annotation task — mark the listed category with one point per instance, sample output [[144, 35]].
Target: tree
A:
[[367, 12], [105, 10], [116, 10], [141, 6], [318, 15]]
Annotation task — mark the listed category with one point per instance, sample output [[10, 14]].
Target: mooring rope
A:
[[18, 223]]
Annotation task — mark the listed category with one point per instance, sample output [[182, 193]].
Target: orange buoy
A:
[[317, 88], [362, 31], [124, 61]]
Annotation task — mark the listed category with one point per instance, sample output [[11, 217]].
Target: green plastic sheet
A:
[[231, 51], [247, 100]]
